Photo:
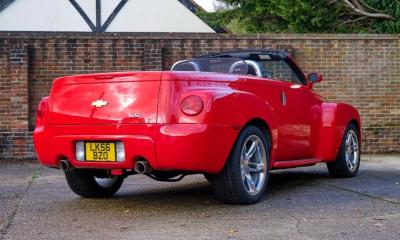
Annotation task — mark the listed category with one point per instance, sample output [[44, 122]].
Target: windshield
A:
[[217, 65]]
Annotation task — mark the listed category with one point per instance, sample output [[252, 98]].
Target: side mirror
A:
[[314, 77]]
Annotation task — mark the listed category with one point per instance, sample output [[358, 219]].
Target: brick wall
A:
[[363, 70]]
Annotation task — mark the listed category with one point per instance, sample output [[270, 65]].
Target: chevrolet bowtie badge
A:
[[99, 103]]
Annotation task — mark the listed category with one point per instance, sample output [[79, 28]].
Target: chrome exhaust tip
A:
[[65, 166], [142, 167]]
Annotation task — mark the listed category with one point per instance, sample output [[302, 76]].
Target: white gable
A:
[[135, 16], [157, 16], [107, 7], [41, 15], [89, 7]]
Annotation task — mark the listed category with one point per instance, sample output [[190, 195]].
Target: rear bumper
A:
[[183, 147]]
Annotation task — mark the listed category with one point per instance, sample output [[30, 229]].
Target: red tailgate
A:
[[105, 99]]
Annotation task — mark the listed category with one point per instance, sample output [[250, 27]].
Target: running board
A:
[[297, 163]]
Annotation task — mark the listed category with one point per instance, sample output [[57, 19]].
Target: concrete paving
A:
[[302, 203]]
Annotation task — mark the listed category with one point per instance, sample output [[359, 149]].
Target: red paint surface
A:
[[144, 111]]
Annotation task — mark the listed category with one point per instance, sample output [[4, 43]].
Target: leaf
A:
[[303, 16]]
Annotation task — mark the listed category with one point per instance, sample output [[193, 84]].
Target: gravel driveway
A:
[[302, 203]]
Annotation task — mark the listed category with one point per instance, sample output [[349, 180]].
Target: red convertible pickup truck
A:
[[232, 116]]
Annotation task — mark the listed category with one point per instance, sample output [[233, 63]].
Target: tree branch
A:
[[351, 21], [357, 5], [365, 13], [368, 6]]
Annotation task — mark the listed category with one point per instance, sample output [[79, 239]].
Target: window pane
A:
[[279, 70]]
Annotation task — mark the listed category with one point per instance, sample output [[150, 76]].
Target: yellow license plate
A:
[[100, 151]]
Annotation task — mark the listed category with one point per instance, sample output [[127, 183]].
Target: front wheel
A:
[[348, 159], [88, 183], [245, 175]]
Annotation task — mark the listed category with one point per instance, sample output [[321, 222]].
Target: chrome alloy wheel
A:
[[352, 150], [253, 164]]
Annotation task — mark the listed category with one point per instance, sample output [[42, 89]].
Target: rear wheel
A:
[[348, 160], [87, 183], [208, 177], [245, 175]]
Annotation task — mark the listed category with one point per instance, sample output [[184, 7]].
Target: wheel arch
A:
[[261, 115], [358, 126], [263, 126], [335, 118]]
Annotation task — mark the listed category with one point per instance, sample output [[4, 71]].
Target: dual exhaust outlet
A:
[[141, 167]]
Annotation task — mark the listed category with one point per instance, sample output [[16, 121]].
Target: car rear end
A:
[[113, 121], [95, 120]]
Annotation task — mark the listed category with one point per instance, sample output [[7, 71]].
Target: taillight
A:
[[42, 107], [192, 105]]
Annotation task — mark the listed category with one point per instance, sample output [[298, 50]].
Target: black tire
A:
[[208, 177], [228, 184], [83, 183], [340, 167]]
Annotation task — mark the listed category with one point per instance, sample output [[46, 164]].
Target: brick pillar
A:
[[4, 87], [18, 73]]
